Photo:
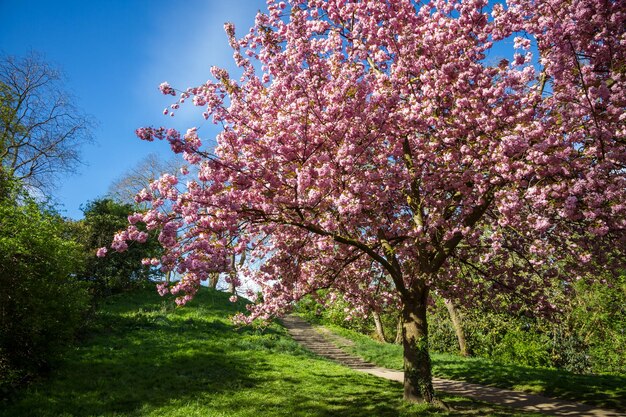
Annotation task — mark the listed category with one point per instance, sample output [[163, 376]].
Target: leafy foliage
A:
[[119, 270], [597, 322], [338, 313], [41, 304], [588, 335]]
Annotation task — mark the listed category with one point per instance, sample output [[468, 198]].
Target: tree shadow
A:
[[123, 378], [599, 390], [138, 359]]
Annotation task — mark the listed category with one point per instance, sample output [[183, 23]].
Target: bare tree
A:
[[41, 130], [140, 176]]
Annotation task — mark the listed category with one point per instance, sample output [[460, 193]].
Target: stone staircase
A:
[[307, 336]]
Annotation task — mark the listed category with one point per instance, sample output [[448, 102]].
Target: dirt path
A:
[[325, 344]]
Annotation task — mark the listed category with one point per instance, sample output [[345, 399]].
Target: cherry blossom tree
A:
[[363, 139]]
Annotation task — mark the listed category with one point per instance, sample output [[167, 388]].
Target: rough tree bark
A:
[[417, 367]]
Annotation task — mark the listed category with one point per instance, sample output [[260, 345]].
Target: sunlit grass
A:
[[600, 390], [144, 357]]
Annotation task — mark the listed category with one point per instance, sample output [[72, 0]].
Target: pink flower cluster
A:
[[374, 148], [167, 89]]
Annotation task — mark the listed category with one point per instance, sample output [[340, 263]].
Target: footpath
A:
[[320, 343]]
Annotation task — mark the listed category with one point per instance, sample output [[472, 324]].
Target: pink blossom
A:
[[162, 289], [521, 43], [167, 89], [395, 147], [135, 217]]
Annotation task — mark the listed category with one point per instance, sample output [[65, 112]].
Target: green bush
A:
[[570, 352], [441, 335], [118, 271], [588, 335], [41, 303], [598, 321], [523, 348]]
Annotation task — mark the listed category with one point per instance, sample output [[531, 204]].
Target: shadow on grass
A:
[[301, 400], [148, 299], [600, 390], [117, 374], [373, 397], [146, 358], [142, 358]]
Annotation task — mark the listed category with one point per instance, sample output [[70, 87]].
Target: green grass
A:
[[145, 357], [599, 390]]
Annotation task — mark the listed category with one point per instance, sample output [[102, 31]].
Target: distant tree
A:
[[128, 185], [41, 129], [119, 271], [378, 325], [457, 323]]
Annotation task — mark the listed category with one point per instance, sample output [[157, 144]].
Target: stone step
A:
[[305, 334]]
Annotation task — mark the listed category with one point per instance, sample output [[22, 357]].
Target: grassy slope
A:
[[600, 390], [147, 358]]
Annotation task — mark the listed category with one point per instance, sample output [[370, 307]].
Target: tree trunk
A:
[[458, 326], [233, 270], [233, 275], [398, 339], [418, 385], [380, 331], [213, 280]]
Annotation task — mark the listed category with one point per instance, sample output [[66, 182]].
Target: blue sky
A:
[[114, 54]]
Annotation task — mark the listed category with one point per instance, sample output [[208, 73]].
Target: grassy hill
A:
[[145, 357]]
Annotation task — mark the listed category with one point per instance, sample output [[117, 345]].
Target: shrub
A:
[[523, 347], [336, 313], [598, 323], [589, 335], [41, 303], [118, 271], [441, 335]]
